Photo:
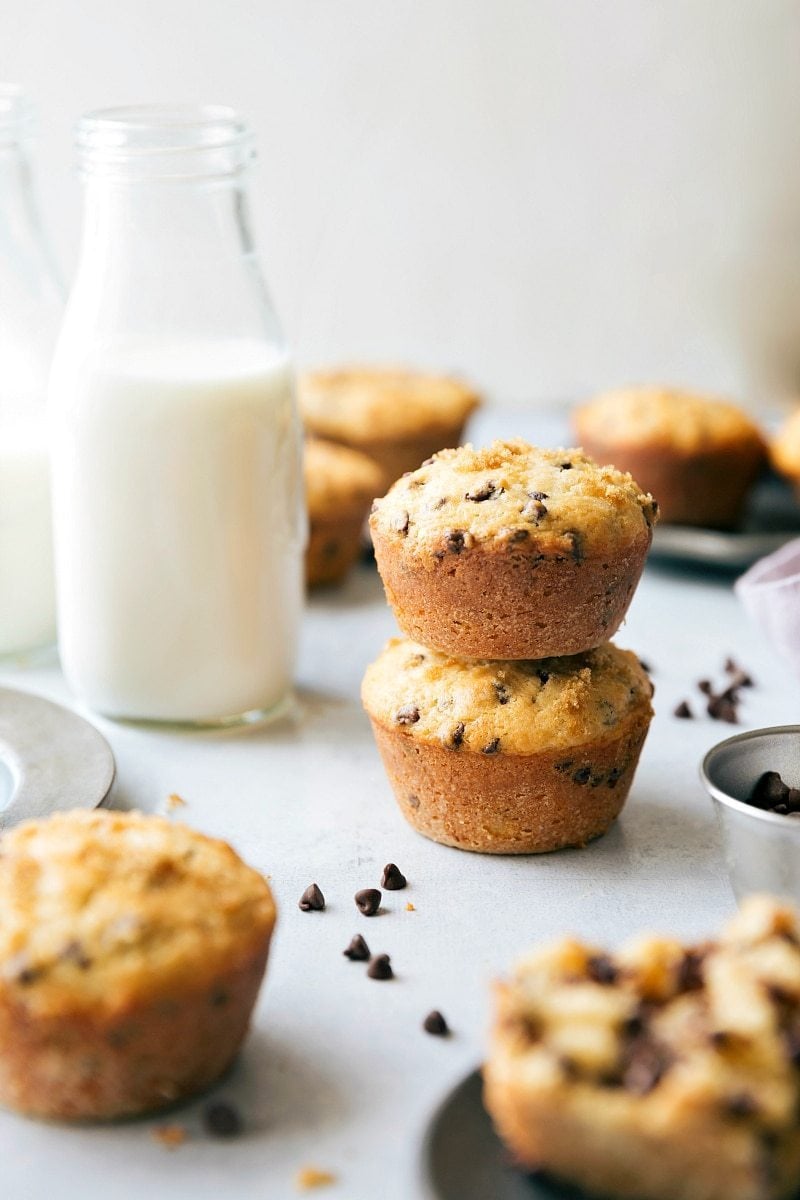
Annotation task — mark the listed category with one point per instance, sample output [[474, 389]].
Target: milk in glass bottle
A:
[[31, 305], [178, 509]]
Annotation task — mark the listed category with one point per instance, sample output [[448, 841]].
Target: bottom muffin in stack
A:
[[508, 757]]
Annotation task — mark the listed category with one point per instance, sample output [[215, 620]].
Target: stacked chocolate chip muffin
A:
[[506, 720]]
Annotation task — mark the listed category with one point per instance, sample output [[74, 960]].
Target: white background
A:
[[548, 195]]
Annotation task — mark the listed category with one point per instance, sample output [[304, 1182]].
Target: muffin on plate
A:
[[131, 954], [340, 485], [699, 456], [395, 416], [785, 450], [511, 551], [508, 757], [661, 1072]]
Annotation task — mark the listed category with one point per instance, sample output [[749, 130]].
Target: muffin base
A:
[[685, 1155], [81, 1067], [511, 803], [333, 547], [706, 489], [509, 602]]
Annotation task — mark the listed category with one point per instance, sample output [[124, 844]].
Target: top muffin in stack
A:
[[509, 554]]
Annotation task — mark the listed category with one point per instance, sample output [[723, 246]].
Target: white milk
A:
[[179, 529], [27, 601]]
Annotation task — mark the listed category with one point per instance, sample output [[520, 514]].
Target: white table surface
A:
[[337, 1072]]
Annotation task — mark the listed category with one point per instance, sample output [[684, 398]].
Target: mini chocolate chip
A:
[[538, 495], [408, 714], [582, 774], [565, 766], [380, 967], [534, 510], [720, 1038], [455, 540], [74, 952], [517, 535], [221, 1119], [682, 710], [502, 692], [614, 776], [690, 978], [704, 686], [457, 736], [393, 878], [435, 1023], [722, 708], [740, 1105], [368, 901], [415, 660], [219, 998], [645, 666], [601, 969], [542, 675], [29, 975], [413, 801], [400, 522], [491, 747], [769, 789], [565, 466], [312, 899], [741, 678], [646, 1064], [358, 950], [484, 492], [783, 809]]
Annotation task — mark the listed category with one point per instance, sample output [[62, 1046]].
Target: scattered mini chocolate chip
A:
[[534, 510], [393, 878], [683, 711], [582, 774], [645, 665], [222, 1120], [312, 899], [704, 686], [455, 540], [435, 1023], [741, 677], [75, 953], [368, 901], [502, 692], [646, 1064], [491, 747], [769, 789], [484, 491], [380, 967], [740, 1105], [565, 466], [601, 969], [408, 714], [542, 675], [358, 950], [457, 736], [400, 522], [722, 708], [614, 776]]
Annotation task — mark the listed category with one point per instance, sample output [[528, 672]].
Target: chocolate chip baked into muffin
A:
[[396, 416], [511, 551], [785, 450], [340, 485], [675, 1071], [698, 455], [508, 757], [131, 954]]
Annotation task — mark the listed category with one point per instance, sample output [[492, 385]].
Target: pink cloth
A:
[[770, 591]]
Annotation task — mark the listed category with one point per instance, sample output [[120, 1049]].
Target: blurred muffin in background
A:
[[698, 455], [396, 416], [340, 485], [785, 450]]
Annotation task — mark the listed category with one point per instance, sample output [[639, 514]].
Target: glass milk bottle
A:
[[178, 502], [30, 312]]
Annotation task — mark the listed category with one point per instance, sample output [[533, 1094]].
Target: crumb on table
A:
[[175, 801], [311, 1177], [410, 907], [170, 1136]]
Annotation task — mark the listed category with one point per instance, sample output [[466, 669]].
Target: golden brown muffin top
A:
[[361, 404], [101, 910], [511, 493], [515, 707], [713, 1027], [688, 422], [785, 447], [338, 479]]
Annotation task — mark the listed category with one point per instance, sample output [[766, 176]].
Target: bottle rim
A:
[[164, 141], [17, 113]]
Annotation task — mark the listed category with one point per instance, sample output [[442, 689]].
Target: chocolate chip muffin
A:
[[340, 484], [395, 416], [511, 551], [785, 450], [675, 1070], [698, 455], [508, 757], [131, 954]]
